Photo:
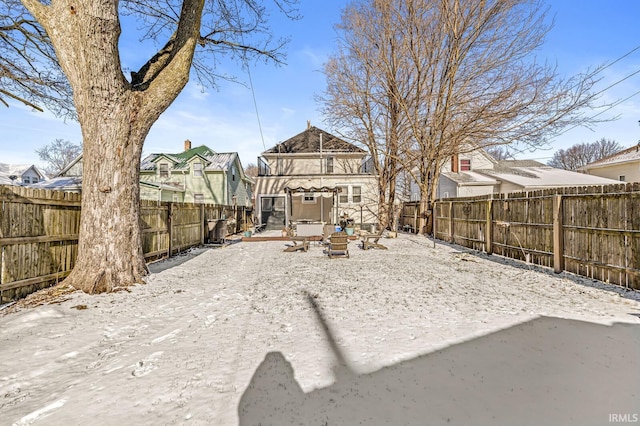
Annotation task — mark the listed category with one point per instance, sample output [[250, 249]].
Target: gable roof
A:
[[308, 142], [624, 156], [181, 161], [214, 161], [70, 165], [18, 170]]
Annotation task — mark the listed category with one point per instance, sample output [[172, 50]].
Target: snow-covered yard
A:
[[184, 348]]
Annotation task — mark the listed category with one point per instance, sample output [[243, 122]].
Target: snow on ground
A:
[[183, 348]]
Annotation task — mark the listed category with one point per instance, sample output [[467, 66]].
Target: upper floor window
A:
[[198, 198], [279, 166], [233, 173], [329, 165], [26, 179], [163, 170], [197, 169], [465, 165]]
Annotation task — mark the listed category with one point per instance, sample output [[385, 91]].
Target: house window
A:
[[164, 170], [197, 169], [34, 180], [465, 165], [622, 178], [233, 173], [329, 168], [309, 197], [267, 204], [26, 179], [175, 198], [356, 194], [278, 204], [198, 198], [343, 195]]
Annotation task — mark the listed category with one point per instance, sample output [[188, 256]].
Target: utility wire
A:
[[255, 103], [615, 104], [617, 82], [618, 60], [246, 64]]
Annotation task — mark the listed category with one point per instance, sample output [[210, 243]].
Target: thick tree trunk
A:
[[110, 250], [115, 116]]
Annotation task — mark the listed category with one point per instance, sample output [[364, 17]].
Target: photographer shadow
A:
[[545, 371]]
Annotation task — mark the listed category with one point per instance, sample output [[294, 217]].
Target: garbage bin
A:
[[217, 230]]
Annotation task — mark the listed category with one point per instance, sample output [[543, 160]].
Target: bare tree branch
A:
[[582, 154]]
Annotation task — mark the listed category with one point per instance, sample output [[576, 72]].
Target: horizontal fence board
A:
[[600, 228], [39, 231]]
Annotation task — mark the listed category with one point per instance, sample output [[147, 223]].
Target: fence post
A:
[[202, 225], [558, 239], [170, 227], [451, 227], [488, 228]]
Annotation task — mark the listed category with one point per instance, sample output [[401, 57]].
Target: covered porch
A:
[[311, 207]]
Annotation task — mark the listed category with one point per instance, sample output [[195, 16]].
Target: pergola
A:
[[301, 190]]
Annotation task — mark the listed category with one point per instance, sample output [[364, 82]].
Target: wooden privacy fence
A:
[[39, 234], [590, 231], [409, 216]]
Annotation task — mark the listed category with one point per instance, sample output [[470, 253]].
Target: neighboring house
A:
[[196, 175], [459, 177], [61, 183], [623, 166], [529, 175], [20, 174], [68, 180], [315, 177], [169, 191], [73, 169], [476, 173]]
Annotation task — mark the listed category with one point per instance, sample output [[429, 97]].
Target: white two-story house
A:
[[315, 177]]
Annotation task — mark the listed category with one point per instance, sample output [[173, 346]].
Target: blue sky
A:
[[587, 33]]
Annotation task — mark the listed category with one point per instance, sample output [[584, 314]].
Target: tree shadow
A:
[[545, 371]]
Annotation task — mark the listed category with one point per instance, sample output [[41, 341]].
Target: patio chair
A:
[[371, 241], [303, 246], [326, 233], [338, 245]]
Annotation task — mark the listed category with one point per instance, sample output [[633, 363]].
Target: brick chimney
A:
[[187, 145], [454, 163]]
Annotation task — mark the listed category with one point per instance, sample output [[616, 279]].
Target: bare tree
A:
[[363, 85], [466, 78], [499, 152], [582, 154], [29, 71], [58, 155], [251, 170], [116, 113]]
